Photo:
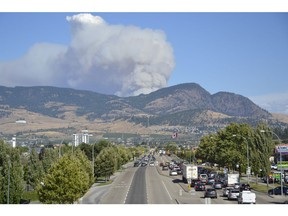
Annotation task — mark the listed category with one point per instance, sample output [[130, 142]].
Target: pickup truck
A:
[[247, 197]]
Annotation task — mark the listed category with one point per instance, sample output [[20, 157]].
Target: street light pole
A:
[[93, 161], [280, 154], [247, 158], [8, 193]]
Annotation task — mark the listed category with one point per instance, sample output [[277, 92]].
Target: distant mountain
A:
[[184, 104]]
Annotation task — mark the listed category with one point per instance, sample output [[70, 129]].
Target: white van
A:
[[247, 197]]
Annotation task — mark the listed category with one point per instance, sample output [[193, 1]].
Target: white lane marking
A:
[[129, 187], [167, 190]]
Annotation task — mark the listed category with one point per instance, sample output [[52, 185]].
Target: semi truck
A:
[[190, 173]]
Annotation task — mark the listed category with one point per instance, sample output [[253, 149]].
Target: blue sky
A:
[[244, 53]]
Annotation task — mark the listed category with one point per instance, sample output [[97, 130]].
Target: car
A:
[[245, 187], [179, 171], [237, 185], [165, 167], [194, 182], [271, 179], [152, 164], [199, 186], [210, 192], [25, 201], [173, 173], [277, 191], [274, 166], [210, 181], [217, 185], [137, 163], [203, 178], [247, 197], [233, 194], [226, 191]]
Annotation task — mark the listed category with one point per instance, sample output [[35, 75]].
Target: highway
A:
[[151, 185], [137, 193]]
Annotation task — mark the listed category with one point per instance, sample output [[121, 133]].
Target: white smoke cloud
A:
[[111, 59]]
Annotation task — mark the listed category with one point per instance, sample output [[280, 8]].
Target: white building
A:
[[14, 142], [82, 137]]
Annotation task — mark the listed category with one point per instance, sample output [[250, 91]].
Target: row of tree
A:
[[60, 175], [239, 146]]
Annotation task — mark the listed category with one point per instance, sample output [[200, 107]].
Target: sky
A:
[[131, 53]]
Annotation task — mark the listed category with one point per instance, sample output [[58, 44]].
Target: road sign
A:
[[248, 171]]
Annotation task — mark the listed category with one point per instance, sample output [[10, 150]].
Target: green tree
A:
[[206, 150], [106, 163], [263, 147], [67, 180], [123, 156], [48, 156], [11, 174], [35, 169]]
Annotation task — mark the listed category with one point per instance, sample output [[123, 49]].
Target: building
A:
[[82, 137], [14, 141]]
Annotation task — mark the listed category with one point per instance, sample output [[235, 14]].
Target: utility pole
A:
[[8, 193], [93, 161]]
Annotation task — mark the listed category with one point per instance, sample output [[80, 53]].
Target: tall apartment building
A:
[[82, 137]]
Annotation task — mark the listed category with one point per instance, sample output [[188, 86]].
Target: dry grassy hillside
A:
[[281, 117], [44, 125]]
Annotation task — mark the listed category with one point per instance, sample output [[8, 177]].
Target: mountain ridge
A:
[[179, 105]]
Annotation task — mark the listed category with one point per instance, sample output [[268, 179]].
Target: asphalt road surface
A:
[[137, 193]]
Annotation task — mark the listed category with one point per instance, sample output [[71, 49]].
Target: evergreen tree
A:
[[11, 175], [35, 169]]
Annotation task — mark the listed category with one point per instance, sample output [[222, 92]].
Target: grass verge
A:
[[30, 195]]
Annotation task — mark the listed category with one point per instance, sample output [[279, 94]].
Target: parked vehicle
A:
[[210, 192], [199, 186], [233, 194], [270, 179], [190, 173], [247, 197], [277, 191]]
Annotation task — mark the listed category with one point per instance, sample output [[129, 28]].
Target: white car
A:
[[233, 194], [247, 197], [173, 173], [226, 191]]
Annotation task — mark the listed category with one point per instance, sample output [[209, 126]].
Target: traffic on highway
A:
[[161, 179]]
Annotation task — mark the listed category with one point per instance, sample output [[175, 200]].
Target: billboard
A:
[[282, 148]]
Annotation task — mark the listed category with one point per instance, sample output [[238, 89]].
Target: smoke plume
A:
[[110, 59]]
